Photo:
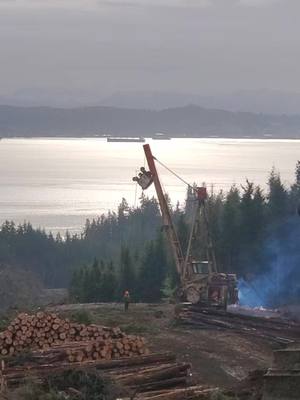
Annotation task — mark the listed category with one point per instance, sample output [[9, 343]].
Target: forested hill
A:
[[190, 121]]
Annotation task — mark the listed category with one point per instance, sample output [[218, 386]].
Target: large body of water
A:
[[58, 183]]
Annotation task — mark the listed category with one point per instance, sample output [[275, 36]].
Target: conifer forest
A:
[[255, 234]]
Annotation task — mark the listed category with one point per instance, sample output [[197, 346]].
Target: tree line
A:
[[255, 232]]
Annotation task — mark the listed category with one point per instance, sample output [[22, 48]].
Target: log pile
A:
[[78, 342], [44, 345], [274, 330], [155, 376], [197, 392]]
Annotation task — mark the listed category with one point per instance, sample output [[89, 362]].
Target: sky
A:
[[191, 46]]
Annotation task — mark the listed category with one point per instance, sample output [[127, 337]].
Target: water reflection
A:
[[58, 183]]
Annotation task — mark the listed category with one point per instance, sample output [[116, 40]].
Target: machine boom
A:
[[166, 216]]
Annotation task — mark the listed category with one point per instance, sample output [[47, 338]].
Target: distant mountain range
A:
[[188, 121], [257, 101]]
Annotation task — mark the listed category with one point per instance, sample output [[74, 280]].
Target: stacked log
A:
[[80, 342], [157, 376], [197, 392], [84, 351], [274, 330], [107, 349], [158, 370]]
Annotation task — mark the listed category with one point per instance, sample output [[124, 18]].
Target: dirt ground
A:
[[219, 358]]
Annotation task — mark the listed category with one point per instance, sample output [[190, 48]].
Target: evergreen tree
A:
[[108, 283], [86, 285], [240, 223], [278, 197], [214, 211], [231, 223], [76, 286], [295, 192], [182, 232], [153, 271], [252, 230], [190, 202], [127, 273], [94, 281], [252, 214], [297, 173]]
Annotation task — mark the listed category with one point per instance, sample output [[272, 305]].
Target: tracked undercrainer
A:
[[200, 281]]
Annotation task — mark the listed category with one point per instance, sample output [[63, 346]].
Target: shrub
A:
[[82, 317]]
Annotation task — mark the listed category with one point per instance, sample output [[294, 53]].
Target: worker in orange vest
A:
[[126, 299]]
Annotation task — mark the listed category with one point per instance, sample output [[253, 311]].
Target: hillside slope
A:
[[190, 121]]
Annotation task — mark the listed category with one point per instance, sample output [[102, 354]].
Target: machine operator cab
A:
[[200, 267], [209, 289]]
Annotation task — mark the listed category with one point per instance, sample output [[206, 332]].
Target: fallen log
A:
[[133, 370], [282, 334], [248, 320], [179, 393], [19, 373], [134, 361], [152, 377], [155, 374], [166, 383]]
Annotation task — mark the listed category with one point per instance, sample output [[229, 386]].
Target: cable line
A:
[[228, 183], [174, 173]]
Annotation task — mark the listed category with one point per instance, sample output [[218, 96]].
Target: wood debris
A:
[[274, 330], [157, 375]]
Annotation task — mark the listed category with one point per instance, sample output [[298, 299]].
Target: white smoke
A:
[[280, 285]]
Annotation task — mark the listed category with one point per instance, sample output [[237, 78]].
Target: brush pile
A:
[[79, 342]]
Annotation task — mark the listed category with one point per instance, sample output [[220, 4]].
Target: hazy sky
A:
[[200, 46]]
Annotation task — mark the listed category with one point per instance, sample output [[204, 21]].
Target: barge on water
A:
[[126, 139], [161, 136]]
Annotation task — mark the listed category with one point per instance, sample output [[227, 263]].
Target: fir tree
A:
[[127, 273], [108, 283], [295, 192], [231, 223], [153, 271], [278, 197]]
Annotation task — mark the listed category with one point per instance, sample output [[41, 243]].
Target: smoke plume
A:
[[280, 285]]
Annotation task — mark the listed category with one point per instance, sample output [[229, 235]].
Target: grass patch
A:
[[4, 322], [82, 317], [91, 385], [220, 396], [33, 391], [136, 328], [70, 385]]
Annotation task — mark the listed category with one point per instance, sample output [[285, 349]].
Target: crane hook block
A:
[[144, 178]]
